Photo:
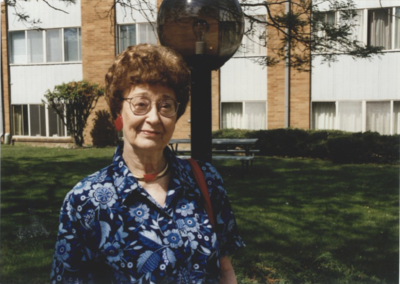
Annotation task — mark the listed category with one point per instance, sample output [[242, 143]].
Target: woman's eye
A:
[[166, 105], [141, 104]]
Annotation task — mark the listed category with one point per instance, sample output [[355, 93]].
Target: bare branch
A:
[[57, 9]]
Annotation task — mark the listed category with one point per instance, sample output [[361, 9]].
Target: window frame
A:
[[391, 26], [44, 47], [27, 129], [365, 29], [244, 122], [138, 33], [364, 114]]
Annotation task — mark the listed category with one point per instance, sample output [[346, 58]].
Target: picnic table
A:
[[222, 146]]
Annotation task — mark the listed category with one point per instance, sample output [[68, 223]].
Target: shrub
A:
[[337, 146]]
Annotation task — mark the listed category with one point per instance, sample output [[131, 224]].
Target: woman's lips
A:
[[150, 133]]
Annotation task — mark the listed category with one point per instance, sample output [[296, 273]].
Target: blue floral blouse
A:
[[111, 229]]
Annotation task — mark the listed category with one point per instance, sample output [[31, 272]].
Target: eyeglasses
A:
[[142, 105]]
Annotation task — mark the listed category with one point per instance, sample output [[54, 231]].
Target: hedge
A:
[[337, 146]]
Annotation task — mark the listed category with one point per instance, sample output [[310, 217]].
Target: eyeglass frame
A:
[[129, 100]]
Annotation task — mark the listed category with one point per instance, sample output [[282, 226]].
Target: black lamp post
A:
[[206, 33]]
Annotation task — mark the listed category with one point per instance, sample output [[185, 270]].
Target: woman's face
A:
[[152, 131]]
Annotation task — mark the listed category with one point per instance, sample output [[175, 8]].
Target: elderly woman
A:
[[142, 219]]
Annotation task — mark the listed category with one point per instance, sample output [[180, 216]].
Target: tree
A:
[[298, 24], [73, 102]]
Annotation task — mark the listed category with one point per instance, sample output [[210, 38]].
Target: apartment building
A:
[[82, 42], [361, 95]]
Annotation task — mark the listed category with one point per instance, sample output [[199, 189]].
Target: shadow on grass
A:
[[310, 221], [303, 221], [32, 191]]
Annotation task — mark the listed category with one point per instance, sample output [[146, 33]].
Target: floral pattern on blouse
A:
[[112, 231]]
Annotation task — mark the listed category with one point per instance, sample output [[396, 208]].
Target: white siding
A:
[[361, 79], [2, 95], [242, 80], [49, 17], [29, 83], [366, 4], [126, 15]]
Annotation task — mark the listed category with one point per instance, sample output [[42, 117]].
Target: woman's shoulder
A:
[[211, 175], [88, 184]]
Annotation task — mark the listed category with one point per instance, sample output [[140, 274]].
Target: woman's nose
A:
[[153, 116]]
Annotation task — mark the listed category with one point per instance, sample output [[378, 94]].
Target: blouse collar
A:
[[126, 183]]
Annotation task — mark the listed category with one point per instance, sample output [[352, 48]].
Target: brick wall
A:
[[299, 86], [275, 78], [98, 48], [4, 66]]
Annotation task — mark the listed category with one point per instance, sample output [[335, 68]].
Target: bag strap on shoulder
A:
[[198, 173]]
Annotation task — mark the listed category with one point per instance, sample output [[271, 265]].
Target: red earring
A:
[[118, 123]]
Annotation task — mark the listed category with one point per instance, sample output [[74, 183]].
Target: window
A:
[[255, 115], [37, 120], [378, 117], [244, 115], [72, 44], [35, 46], [357, 29], [17, 47], [324, 22], [135, 34], [62, 45], [31, 120], [254, 40], [232, 115], [380, 28], [329, 18], [20, 119], [323, 115], [53, 45], [350, 116], [325, 19], [56, 126], [396, 117]]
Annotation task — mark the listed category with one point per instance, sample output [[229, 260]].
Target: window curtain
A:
[[378, 117], [53, 45], [397, 29], [396, 117], [380, 28], [17, 47], [71, 45], [17, 120], [147, 35], [127, 36], [20, 120], [323, 115], [255, 115], [232, 115], [350, 116], [35, 46]]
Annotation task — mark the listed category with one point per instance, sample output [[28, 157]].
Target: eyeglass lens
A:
[[142, 105]]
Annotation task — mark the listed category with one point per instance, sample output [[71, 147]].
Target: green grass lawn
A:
[[303, 220]]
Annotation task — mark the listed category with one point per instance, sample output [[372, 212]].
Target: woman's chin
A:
[[148, 145]]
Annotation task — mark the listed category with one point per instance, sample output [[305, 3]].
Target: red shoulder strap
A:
[[198, 173]]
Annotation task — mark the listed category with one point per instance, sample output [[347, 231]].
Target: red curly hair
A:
[[147, 64]]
